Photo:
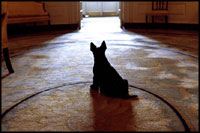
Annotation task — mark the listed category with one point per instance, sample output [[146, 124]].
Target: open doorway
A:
[[100, 12], [100, 9]]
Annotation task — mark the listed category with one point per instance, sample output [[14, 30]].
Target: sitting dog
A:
[[106, 77]]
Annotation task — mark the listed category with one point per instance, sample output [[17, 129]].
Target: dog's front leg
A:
[[95, 84]]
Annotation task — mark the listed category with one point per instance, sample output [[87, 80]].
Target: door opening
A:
[[100, 9]]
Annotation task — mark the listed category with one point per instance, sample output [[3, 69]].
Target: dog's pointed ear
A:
[[92, 46], [103, 45]]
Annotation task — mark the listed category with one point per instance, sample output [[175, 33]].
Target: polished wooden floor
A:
[[49, 90]]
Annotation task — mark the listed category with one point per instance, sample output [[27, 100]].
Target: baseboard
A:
[[162, 26], [63, 27], [16, 29], [99, 14]]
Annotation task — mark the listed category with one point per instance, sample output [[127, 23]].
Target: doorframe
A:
[[121, 14], [120, 10]]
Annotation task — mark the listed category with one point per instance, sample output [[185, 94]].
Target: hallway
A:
[[49, 90]]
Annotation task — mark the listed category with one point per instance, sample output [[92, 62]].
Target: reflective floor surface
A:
[[49, 90]]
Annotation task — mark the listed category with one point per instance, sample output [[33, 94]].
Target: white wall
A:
[[179, 12], [110, 6], [100, 7]]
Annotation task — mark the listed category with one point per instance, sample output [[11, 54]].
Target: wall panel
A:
[[179, 12], [63, 12]]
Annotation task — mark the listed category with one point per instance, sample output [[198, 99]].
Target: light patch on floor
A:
[[165, 75], [189, 83]]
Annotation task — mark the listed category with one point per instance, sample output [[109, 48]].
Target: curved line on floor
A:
[[163, 48], [12, 107], [187, 129]]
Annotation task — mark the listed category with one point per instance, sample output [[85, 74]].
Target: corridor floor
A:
[[50, 89]]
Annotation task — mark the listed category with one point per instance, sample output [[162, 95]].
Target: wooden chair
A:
[[4, 40], [19, 12], [159, 8]]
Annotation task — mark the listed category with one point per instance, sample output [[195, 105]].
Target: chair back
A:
[[159, 5]]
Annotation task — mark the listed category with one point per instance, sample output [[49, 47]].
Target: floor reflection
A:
[[112, 114]]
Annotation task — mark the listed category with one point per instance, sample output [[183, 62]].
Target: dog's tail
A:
[[129, 96]]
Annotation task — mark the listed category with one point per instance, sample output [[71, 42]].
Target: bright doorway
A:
[[100, 9]]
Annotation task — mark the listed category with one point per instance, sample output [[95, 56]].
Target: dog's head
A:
[[100, 51]]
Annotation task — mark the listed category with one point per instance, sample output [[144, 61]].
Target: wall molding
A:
[[162, 26], [23, 29]]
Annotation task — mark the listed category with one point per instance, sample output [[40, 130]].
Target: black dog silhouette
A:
[[106, 77]]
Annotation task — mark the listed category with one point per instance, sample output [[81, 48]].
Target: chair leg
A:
[[166, 19], [152, 19], [49, 23], [7, 60], [49, 26], [146, 19]]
